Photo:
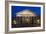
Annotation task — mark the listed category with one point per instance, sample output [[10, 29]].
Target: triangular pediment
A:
[[25, 13]]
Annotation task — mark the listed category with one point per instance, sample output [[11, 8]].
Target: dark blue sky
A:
[[15, 9]]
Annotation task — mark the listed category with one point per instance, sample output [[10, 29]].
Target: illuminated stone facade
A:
[[26, 17]]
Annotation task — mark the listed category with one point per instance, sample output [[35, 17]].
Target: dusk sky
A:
[[15, 9]]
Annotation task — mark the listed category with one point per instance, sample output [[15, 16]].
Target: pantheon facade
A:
[[26, 18]]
